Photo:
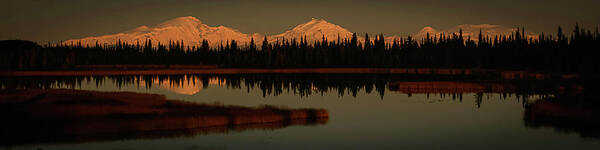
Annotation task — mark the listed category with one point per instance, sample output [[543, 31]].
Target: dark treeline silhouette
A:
[[306, 84], [550, 53]]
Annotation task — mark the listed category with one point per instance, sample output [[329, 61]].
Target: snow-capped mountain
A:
[[423, 32], [314, 30], [192, 31], [472, 31], [187, 29]]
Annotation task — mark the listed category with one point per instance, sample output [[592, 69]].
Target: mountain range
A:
[[191, 31], [472, 31]]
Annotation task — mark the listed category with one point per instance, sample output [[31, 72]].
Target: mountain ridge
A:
[[191, 31]]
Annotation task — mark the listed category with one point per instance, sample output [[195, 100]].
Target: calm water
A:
[[365, 112]]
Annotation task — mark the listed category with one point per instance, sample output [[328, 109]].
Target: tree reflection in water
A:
[[567, 106], [308, 84]]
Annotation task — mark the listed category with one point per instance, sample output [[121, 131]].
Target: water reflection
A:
[[36, 116], [307, 84], [186, 86], [566, 113], [564, 106]]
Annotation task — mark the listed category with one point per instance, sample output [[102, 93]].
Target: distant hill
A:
[[17, 45]]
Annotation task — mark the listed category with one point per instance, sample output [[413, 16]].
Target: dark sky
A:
[[53, 20]]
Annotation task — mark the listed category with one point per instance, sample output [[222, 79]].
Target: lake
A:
[[363, 111]]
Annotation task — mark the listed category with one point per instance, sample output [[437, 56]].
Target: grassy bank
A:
[[36, 116]]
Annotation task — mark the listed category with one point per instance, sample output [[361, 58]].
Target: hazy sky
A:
[[53, 20]]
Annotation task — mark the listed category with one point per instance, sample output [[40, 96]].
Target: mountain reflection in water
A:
[[308, 84], [186, 86], [563, 105]]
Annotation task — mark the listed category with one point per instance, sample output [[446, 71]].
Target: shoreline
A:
[[77, 116], [143, 71], [223, 71]]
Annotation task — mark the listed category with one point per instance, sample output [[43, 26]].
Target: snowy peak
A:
[[314, 30], [184, 23], [429, 30], [471, 31], [188, 29], [192, 31], [315, 24], [188, 21], [181, 20], [425, 31]]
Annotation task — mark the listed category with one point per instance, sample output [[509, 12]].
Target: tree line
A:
[[550, 53], [277, 84]]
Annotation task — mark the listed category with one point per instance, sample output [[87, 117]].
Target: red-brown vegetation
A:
[[62, 115]]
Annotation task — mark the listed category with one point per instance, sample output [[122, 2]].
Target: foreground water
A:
[[365, 112]]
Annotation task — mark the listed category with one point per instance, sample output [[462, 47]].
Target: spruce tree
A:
[[265, 44], [252, 46]]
